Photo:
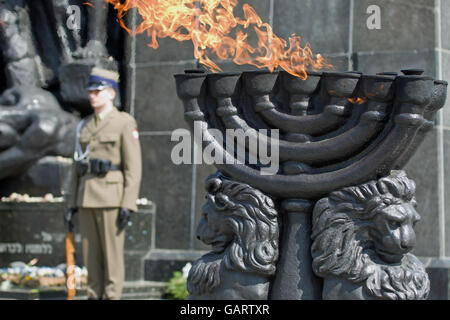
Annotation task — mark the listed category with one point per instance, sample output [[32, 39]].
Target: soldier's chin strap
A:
[[79, 154]]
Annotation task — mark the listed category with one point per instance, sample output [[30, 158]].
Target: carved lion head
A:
[[241, 225], [364, 234]]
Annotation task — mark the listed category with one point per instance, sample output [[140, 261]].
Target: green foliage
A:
[[177, 287]]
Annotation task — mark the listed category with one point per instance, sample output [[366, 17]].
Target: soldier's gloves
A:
[[124, 217], [68, 217]]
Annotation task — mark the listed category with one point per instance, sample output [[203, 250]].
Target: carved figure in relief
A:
[[241, 225], [362, 238]]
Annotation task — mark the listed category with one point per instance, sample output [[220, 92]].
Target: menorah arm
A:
[[376, 163], [332, 149], [332, 117], [437, 102], [416, 141]]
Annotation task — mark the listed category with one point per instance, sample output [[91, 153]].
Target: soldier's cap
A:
[[100, 79]]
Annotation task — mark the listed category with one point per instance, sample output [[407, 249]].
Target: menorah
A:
[[345, 209]]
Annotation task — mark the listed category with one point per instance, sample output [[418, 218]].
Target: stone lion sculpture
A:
[[241, 225], [362, 237]]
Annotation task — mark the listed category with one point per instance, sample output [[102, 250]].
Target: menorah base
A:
[[295, 279], [352, 244]]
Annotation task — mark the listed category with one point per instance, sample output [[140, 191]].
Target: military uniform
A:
[[114, 138], [98, 197]]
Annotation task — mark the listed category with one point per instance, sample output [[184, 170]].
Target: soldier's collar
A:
[[103, 114]]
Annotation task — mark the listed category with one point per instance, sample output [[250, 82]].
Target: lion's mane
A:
[[342, 247], [254, 220]]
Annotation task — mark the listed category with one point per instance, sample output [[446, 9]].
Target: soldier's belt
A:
[[102, 166]]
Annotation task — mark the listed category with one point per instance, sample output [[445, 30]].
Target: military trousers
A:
[[103, 246]]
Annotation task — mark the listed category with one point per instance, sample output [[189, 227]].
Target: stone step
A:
[[143, 290], [38, 294], [132, 290]]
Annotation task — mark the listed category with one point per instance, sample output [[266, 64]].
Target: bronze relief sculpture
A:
[[46, 62]]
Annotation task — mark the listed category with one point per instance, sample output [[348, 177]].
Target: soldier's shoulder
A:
[[126, 117]]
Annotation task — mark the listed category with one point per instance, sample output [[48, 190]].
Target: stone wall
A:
[[413, 34]]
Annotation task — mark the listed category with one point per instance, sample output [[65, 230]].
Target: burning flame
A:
[[213, 28], [357, 100]]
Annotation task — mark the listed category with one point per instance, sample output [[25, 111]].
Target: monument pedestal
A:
[[36, 230], [160, 264]]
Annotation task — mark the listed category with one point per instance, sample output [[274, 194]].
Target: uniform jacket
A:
[[115, 138]]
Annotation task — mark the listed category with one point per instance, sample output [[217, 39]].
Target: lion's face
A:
[[213, 228], [393, 231], [363, 234]]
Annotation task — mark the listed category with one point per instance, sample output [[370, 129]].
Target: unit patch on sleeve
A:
[[135, 134]]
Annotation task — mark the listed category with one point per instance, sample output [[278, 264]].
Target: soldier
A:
[[106, 185]]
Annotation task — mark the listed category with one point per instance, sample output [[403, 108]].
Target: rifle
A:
[[70, 263]]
